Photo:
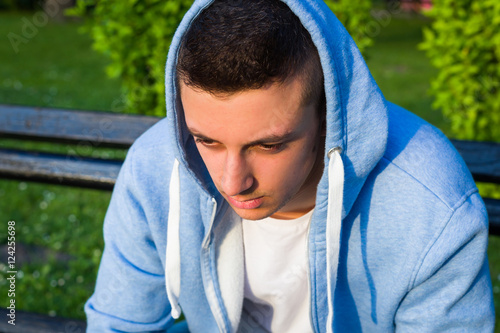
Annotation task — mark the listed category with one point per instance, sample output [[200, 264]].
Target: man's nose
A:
[[237, 176]]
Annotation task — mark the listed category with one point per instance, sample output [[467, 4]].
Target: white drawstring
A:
[[333, 226], [173, 258]]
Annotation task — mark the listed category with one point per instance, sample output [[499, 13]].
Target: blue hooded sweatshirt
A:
[[397, 240]]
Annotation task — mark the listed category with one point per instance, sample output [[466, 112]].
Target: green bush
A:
[[464, 44], [136, 35], [356, 17]]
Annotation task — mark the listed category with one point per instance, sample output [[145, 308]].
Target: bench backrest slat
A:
[[28, 322], [59, 169], [482, 159], [493, 208], [103, 129]]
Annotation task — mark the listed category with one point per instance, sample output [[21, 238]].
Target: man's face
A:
[[261, 147]]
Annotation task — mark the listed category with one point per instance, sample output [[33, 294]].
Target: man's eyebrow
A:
[[199, 135], [273, 138]]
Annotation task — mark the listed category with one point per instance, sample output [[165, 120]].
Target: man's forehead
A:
[[271, 113]]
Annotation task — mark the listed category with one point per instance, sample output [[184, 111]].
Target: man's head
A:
[[252, 90]]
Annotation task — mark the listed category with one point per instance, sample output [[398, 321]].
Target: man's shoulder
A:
[[149, 163], [148, 170], [424, 154], [155, 139], [153, 154]]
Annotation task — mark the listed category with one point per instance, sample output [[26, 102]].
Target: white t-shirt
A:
[[277, 296]]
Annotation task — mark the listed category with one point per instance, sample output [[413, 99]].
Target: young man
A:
[[283, 193]]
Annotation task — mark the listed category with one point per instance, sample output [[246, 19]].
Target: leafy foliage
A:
[[356, 17], [464, 44], [136, 35]]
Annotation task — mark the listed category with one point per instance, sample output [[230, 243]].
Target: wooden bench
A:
[[81, 128], [102, 129]]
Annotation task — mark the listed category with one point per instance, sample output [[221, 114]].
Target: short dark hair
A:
[[237, 45]]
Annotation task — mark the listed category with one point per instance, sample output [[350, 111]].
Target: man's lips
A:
[[245, 204]]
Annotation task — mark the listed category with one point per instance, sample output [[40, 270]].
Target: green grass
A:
[[57, 68], [66, 221]]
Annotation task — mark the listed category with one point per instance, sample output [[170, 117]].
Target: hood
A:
[[356, 109], [356, 138]]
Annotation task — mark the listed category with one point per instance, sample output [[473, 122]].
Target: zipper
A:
[[309, 284], [206, 241], [208, 279], [309, 280]]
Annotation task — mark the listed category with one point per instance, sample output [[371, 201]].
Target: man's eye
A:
[[205, 142], [271, 147]]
